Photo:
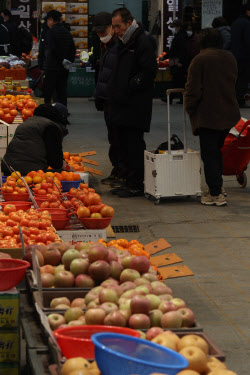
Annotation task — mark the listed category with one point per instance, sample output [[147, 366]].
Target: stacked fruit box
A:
[[77, 17], [9, 332]]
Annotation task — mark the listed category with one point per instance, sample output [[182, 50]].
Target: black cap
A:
[[54, 14], [177, 23], [62, 109], [101, 21]]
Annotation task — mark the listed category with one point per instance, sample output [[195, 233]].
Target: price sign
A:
[[210, 10], [168, 18]]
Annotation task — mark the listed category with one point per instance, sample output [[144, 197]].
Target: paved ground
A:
[[214, 242]]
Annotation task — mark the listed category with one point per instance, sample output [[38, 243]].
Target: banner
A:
[[24, 13], [210, 10], [168, 13]]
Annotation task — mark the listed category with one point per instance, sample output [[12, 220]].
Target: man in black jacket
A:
[[240, 32], [131, 97], [109, 42], [4, 39], [60, 51], [14, 37]]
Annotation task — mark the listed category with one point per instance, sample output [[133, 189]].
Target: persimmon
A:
[[123, 243], [76, 177], [37, 179], [66, 155]]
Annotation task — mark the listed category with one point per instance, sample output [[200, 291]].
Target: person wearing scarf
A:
[[131, 97]]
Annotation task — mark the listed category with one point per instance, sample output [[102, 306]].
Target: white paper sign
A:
[[210, 10]]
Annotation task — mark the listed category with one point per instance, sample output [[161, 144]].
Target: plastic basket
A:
[[8, 120], [125, 355], [92, 223], [60, 224], [4, 179], [56, 213], [67, 185], [15, 197], [76, 341], [25, 206], [12, 271]]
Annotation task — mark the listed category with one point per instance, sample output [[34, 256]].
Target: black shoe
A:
[[118, 182], [117, 190], [108, 180], [131, 192]]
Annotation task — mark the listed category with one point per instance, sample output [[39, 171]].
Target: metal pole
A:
[[174, 10]]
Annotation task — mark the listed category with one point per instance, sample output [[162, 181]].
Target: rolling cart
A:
[[174, 173]]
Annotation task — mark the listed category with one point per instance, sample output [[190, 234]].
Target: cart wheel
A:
[[147, 196], [242, 180], [157, 201]]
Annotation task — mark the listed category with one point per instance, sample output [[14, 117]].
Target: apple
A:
[[77, 364], [73, 313], [154, 301], [79, 266], [82, 246], [222, 372], [166, 297], [129, 294], [140, 264], [84, 281], [108, 307], [153, 332], [75, 323], [187, 316], [48, 280], [155, 318], [28, 256], [92, 295], [112, 257], [69, 256], [140, 305], [196, 357], [126, 286], [160, 288], [108, 295], [125, 305], [142, 336], [129, 275], [62, 307], [84, 255], [109, 283], [171, 319], [115, 318], [168, 340], [55, 320], [126, 314], [78, 302], [125, 261], [139, 321], [141, 281], [150, 277], [99, 270], [64, 246], [193, 340], [115, 269], [95, 316], [143, 289], [52, 256], [167, 306], [93, 304], [97, 253], [64, 279], [179, 303], [59, 301], [59, 268]]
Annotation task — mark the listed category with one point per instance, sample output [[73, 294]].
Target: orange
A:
[[14, 174], [112, 243], [28, 179], [77, 177], [37, 179], [123, 243], [49, 174], [66, 155], [132, 242]]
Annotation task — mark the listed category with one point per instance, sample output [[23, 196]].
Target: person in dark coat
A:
[[4, 39], [14, 37], [221, 25], [178, 58], [211, 103], [43, 43], [37, 143], [131, 96], [240, 48], [193, 46], [108, 45], [60, 51]]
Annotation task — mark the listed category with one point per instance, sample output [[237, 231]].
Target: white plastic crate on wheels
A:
[[175, 173]]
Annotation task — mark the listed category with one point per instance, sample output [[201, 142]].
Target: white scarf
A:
[[126, 37]]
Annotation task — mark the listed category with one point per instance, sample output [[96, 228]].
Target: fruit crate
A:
[[214, 350], [38, 362], [49, 295], [187, 330]]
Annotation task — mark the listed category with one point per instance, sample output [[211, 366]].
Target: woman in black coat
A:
[[4, 39]]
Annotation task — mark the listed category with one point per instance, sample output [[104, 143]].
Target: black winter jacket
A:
[[178, 49], [14, 38], [132, 83], [4, 40], [107, 65], [240, 32], [30, 148], [43, 44], [60, 46]]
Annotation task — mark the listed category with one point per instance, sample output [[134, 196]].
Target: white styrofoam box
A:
[[2, 152], [11, 131], [3, 130], [84, 177], [172, 175], [82, 235]]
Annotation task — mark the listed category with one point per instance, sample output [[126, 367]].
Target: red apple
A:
[[144, 289], [155, 318], [140, 264], [55, 321], [108, 295], [84, 281], [153, 332], [128, 285], [97, 253], [109, 283], [115, 269], [99, 270], [154, 301], [52, 256], [78, 302], [140, 305], [160, 288], [73, 313], [129, 275], [95, 316], [141, 281], [58, 301], [108, 307], [115, 318], [150, 277], [187, 316], [69, 256], [171, 319], [178, 302], [139, 321], [48, 280], [82, 246], [112, 257], [79, 266], [64, 279], [167, 306]]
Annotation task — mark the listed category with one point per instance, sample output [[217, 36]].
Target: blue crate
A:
[[67, 185]]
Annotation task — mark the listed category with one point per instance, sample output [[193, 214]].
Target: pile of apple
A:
[[194, 348], [36, 228]]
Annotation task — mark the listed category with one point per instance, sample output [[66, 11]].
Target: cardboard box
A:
[[9, 308], [3, 141], [82, 235], [9, 345], [9, 368], [15, 253], [2, 151], [3, 130], [81, 43], [59, 6], [77, 19], [79, 31], [77, 8], [11, 132]]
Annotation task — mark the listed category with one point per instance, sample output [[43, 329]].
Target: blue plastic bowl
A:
[[125, 355], [4, 178], [67, 185]]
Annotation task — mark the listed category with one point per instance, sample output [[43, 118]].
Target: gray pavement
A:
[[213, 242]]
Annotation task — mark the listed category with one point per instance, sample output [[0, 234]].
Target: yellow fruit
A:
[[75, 364], [214, 364], [14, 174], [196, 357], [193, 340], [188, 372], [222, 372], [169, 341]]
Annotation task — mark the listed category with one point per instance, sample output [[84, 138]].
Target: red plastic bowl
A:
[[92, 223], [9, 120], [76, 341], [56, 213], [12, 271], [69, 196], [15, 197], [25, 206], [60, 224]]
